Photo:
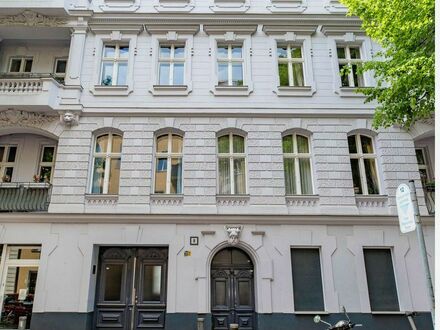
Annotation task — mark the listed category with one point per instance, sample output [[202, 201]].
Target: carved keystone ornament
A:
[[233, 232]]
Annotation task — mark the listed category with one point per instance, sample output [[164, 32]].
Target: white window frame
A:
[[4, 163], [47, 164], [290, 61], [297, 156], [361, 157], [171, 61], [62, 75], [107, 156], [426, 166], [22, 64], [230, 61], [169, 155], [117, 60], [347, 60], [231, 155]]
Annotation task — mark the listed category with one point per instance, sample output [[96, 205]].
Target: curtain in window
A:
[[289, 175], [224, 176], [239, 176], [306, 176]]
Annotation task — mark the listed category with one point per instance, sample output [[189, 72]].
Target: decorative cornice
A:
[[101, 200], [125, 28], [157, 28], [371, 201], [302, 200], [30, 18], [213, 29], [24, 118], [280, 29], [232, 200], [338, 29], [166, 200]]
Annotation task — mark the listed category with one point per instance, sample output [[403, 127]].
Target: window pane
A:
[[220, 293], [28, 65], [284, 74], [176, 144], [113, 274], [223, 144], [222, 74], [15, 65], [178, 74], [240, 176], [164, 74], [176, 176], [371, 175], [12, 154], [238, 144], [165, 51], [115, 168], [7, 177], [98, 176], [122, 74], [116, 143], [109, 51], [282, 51], [356, 176], [61, 66], [152, 282], [162, 143], [341, 52], [302, 144], [367, 145], [305, 173], [423, 177], [307, 281], [244, 293], [419, 154], [123, 51], [352, 148], [179, 52], [357, 76], [380, 279], [27, 253], [161, 176], [236, 52], [222, 51], [296, 52], [355, 53], [101, 143], [107, 74], [224, 176], [288, 144], [2, 152], [237, 74], [289, 176], [298, 74], [45, 173], [48, 153], [344, 78]]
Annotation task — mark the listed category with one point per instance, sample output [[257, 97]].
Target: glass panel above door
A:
[[152, 283]]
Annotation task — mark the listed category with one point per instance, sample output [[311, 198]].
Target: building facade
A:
[[189, 164]]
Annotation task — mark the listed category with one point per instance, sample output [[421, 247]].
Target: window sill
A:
[[232, 200], [231, 90], [101, 199], [302, 200], [371, 201], [287, 6], [170, 90], [350, 92], [294, 91], [101, 90], [166, 199]]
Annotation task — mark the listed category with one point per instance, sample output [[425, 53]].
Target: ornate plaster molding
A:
[[233, 232], [371, 201], [24, 118], [69, 118], [232, 200], [302, 200], [30, 18], [101, 200], [166, 200]]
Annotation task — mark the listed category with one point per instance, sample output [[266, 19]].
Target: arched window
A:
[[168, 169], [297, 165], [363, 164], [106, 164], [232, 164]]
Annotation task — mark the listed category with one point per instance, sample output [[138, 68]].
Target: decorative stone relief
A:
[[302, 201], [371, 201], [233, 232], [166, 200], [24, 118], [101, 200], [232, 200], [69, 118], [30, 18]]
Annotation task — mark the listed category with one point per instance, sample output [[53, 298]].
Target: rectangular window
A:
[[8, 155], [46, 165], [230, 65], [349, 61], [20, 64], [114, 65], [59, 70], [172, 65], [307, 279], [290, 65], [381, 281]]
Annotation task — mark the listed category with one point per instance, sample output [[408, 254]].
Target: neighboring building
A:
[[188, 164]]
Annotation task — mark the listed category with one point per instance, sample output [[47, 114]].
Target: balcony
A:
[[24, 197]]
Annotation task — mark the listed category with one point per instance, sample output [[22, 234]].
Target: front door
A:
[[232, 290], [131, 288]]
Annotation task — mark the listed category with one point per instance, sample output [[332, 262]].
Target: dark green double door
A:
[[131, 288]]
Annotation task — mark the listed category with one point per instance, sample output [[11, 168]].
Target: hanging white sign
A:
[[405, 209]]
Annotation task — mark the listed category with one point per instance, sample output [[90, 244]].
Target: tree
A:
[[404, 69]]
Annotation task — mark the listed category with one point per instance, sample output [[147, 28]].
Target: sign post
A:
[[409, 220]]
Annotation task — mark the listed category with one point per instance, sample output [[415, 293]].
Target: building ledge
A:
[[231, 90], [302, 200], [369, 201], [98, 199], [294, 91], [101, 90], [350, 92], [232, 200], [166, 199], [170, 90]]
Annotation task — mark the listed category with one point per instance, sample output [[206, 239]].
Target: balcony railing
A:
[[24, 197], [429, 190]]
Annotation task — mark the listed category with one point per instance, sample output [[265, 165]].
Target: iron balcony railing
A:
[[24, 196]]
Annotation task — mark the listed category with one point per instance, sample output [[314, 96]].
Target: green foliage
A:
[[404, 69]]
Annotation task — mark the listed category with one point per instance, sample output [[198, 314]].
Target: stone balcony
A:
[[24, 197]]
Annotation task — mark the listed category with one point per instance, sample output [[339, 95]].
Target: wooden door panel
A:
[[110, 318]]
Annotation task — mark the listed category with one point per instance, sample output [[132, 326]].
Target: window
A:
[[172, 65], [307, 280], [423, 165], [232, 164], [349, 60], [8, 154], [46, 165], [297, 165], [380, 279], [168, 174], [20, 64], [230, 65], [363, 164], [60, 67], [290, 65], [106, 164], [114, 65]]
